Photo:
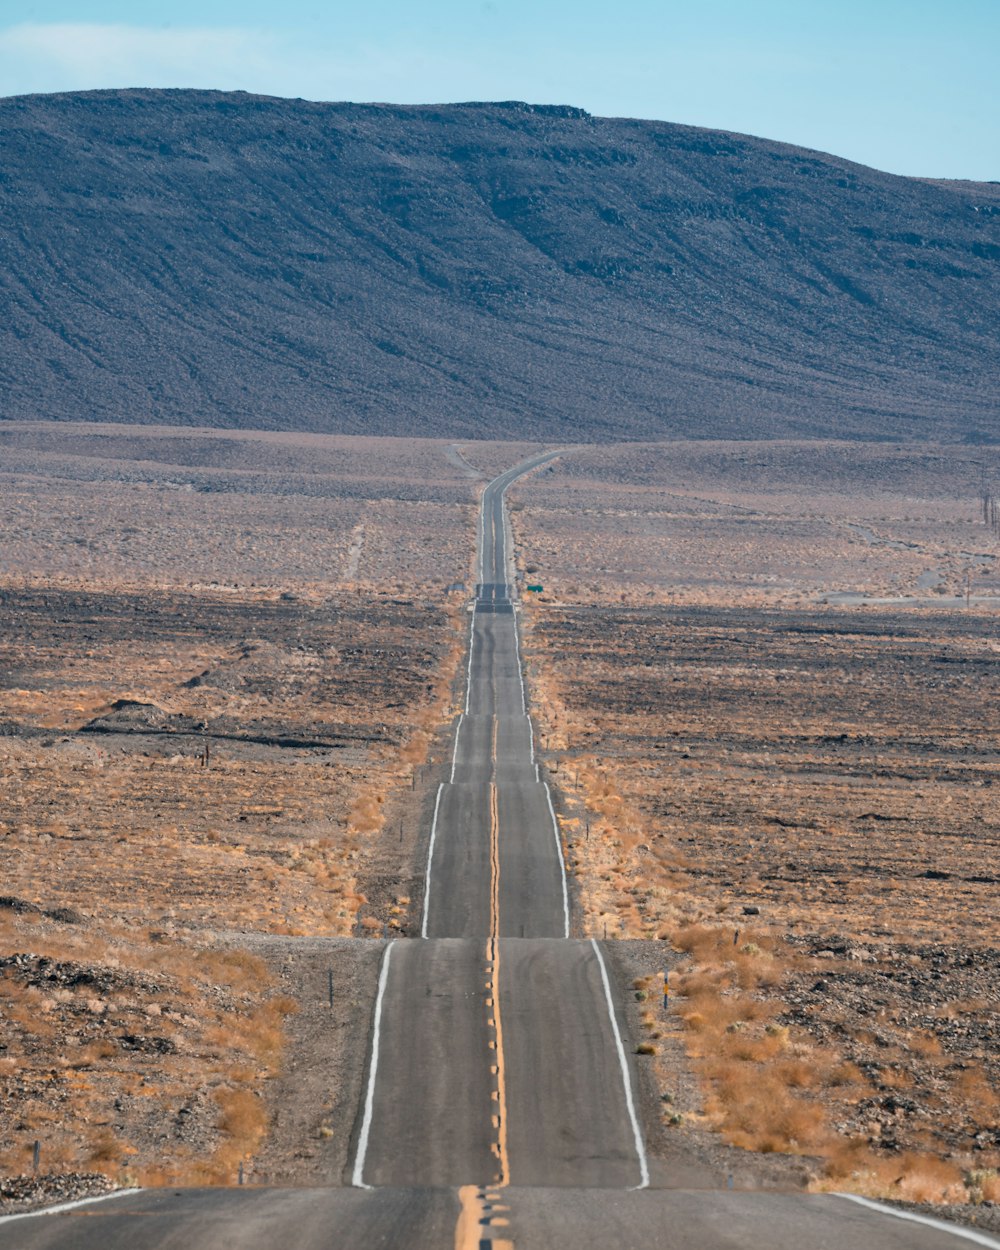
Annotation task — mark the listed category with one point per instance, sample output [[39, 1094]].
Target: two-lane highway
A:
[[527, 1030]]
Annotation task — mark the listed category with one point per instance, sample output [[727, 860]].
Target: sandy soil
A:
[[779, 523]]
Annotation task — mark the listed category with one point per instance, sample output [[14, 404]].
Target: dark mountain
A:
[[481, 269]]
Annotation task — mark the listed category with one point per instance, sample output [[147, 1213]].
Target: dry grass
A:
[[761, 1076], [100, 1044]]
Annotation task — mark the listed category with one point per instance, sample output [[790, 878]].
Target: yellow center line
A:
[[469, 1224], [494, 966], [478, 1202], [503, 1159], [474, 1217], [494, 879]]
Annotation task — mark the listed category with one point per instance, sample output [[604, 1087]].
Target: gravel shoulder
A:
[[314, 1102], [684, 1151]]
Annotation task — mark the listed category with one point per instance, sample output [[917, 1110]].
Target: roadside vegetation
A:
[[128, 1055]]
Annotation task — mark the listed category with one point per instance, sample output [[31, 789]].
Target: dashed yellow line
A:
[[476, 1213], [480, 1207]]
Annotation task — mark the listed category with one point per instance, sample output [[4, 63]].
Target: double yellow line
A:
[[480, 1204], [493, 984]]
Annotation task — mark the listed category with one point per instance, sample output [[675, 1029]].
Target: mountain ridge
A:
[[223, 259]]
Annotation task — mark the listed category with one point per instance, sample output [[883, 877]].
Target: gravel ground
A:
[[25, 1193], [985, 1217], [314, 1102]]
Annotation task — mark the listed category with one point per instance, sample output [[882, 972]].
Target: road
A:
[[499, 1106], [499, 1053]]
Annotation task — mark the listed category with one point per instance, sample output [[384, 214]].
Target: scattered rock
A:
[[26, 1193]]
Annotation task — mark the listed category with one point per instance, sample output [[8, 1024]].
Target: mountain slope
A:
[[232, 260]]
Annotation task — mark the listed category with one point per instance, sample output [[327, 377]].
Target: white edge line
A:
[[562, 862], [520, 669], [454, 754], [481, 554], [69, 1206], [956, 1230], [468, 671], [640, 1149], [359, 1162], [430, 860]]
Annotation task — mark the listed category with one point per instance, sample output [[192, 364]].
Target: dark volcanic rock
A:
[[233, 260]]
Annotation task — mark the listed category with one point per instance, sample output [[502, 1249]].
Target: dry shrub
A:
[[760, 1113], [367, 814], [266, 1031], [415, 751], [21, 1008], [93, 1054], [973, 1087], [237, 970], [925, 1044], [243, 1121], [259, 1033], [909, 1177], [845, 1073], [107, 1153], [797, 1073], [752, 1048], [699, 940], [895, 1078], [989, 1187]]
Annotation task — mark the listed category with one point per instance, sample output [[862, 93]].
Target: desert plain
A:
[[763, 677]]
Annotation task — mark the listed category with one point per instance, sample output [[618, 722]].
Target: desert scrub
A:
[[109, 1032]]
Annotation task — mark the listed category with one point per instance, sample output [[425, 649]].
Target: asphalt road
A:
[[473, 1218], [499, 1105], [499, 1055]]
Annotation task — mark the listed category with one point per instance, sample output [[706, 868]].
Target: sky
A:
[[909, 86]]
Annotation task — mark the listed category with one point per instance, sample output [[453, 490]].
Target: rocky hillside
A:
[[203, 258]]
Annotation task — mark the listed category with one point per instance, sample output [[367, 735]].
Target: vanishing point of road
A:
[[500, 1104]]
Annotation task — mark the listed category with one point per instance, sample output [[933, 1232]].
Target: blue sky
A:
[[910, 87]]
